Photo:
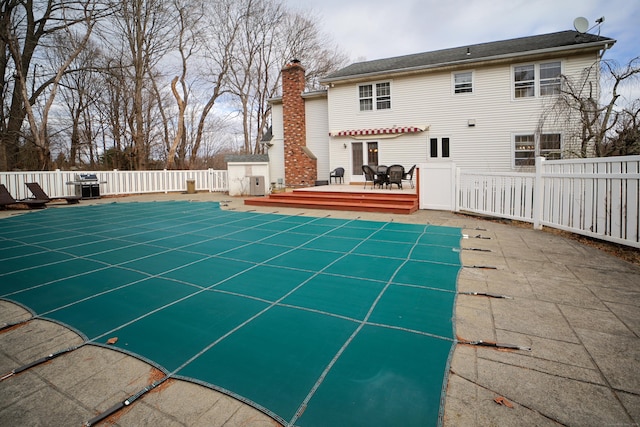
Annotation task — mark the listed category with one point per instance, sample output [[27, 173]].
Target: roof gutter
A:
[[457, 64]]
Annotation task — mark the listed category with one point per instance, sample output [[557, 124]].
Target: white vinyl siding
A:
[[428, 100], [276, 151], [317, 136]]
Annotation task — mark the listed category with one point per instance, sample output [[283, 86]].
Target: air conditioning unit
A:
[[256, 186]]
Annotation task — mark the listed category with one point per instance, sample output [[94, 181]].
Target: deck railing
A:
[[59, 183], [594, 197]]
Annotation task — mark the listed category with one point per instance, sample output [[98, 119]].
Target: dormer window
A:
[[375, 96]]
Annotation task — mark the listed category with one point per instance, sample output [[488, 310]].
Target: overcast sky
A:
[[373, 29]]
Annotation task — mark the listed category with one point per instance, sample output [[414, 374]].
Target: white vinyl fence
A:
[[59, 183], [595, 197]]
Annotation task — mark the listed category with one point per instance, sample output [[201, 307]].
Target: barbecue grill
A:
[[87, 185]]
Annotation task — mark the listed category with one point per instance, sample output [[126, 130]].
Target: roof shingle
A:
[[472, 53]]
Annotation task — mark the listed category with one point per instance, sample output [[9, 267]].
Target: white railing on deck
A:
[[594, 197], [58, 183]]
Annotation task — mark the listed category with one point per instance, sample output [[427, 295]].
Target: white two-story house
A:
[[479, 106]]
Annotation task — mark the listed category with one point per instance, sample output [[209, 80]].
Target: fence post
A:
[[538, 194], [59, 185], [457, 190]]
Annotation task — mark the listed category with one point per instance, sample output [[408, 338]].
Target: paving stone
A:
[[561, 352], [17, 388], [220, 413], [572, 293], [471, 405], [536, 318], [12, 313], [170, 398], [524, 360], [621, 295], [46, 407], [632, 403], [543, 269], [35, 339], [617, 356], [463, 362], [628, 314], [595, 320], [611, 275], [84, 362], [473, 318], [569, 402]]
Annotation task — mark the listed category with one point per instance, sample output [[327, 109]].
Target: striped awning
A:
[[379, 131]]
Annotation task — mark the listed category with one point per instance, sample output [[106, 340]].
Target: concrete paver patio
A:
[[576, 307]]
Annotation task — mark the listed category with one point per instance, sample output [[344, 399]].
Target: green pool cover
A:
[[315, 321]]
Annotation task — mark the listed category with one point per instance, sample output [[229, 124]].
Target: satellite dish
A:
[[581, 24]]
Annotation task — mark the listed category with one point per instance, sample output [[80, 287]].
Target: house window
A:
[[463, 82], [445, 147], [550, 146], [372, 153], [550, 78], [527, 85], [366, 97], [356, 158], [525, 154], [359, 158], [526, 149], [439, 148], [376, 96], [383, 96]]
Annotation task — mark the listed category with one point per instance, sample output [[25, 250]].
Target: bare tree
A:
[[146, 28], [75, 44], [625, 138], [79, 92], [588, 116], [189, 15], [272, 35], [24, 27], [226, 17]]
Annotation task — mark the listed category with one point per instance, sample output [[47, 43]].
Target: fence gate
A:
[[437, 186]]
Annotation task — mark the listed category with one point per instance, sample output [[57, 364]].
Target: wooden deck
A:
[[343, 197]]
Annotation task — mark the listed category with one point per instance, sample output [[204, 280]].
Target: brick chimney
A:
[[300, 165]]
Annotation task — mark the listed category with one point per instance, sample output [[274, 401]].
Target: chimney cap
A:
[[295, 61]]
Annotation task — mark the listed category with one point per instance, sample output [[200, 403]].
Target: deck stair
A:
[[396, 203]]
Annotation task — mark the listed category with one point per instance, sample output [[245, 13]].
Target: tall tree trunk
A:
[[180, 131]]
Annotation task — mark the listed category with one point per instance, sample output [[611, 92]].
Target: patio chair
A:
[[39, 194], [408, 176], [6, 199], [371, 176], [337, 174], [395, 174], [382, 175]]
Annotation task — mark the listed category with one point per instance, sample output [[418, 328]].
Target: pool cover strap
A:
[[37, 362], [118, 406], [496, 345]]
